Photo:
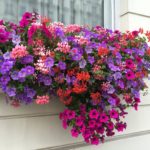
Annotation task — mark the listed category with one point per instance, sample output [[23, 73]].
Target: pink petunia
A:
[[92, 123], [70, 114], [120, 126], [103, 118], [113, 114], [93, 114], [130, 64], [74, 132], [79, 121], [95, 140], [130, 75]]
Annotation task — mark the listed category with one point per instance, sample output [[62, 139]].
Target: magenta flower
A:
[[100, 130], [92, 123], [120, 126], [79, 121], [113, 114], [70, 114], [86, 134], [74, 132], [64, 124], [93, 114], [130, 75], [103, 118], [129, 63], [95, 140], [110, 126]]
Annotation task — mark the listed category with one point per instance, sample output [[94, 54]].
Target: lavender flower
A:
[[77, 57], [4, 80], [91, 59], [27, 59], [30, 92], [62, 65], [111, 90], [29, 70], [14, 75], [16, 39], [6, 55], [6, 66], [47, 80], [113, 67], [59, 32], [49, 63], [82, 63], [117, 75], [22, 73], [120, 84], [11, 91], [112, 101]]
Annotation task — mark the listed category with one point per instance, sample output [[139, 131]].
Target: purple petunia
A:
[[82, 63], [10, 91], [49, 63], [6, 55], [4, 80], [30, 92], [91, 59], [26, 59], [29, 70], [113, 67], [14, 75], [16, 39], [47, 80], [22, 73], [62, 65], [6, 66], [59, 32], [112, 101], [117, 75], [111, 90]]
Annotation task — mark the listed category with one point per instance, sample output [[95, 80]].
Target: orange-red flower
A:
[[66, 101], [78, 89], [96, 97], [103, 51], [65, 96], [84, 76], [148, 52]]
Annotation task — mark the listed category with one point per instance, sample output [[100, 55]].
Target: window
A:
[[83, 12]]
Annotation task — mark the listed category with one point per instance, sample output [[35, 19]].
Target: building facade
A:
[[38, 127]]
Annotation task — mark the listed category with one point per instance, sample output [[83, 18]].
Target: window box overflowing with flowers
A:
[[96, 73]]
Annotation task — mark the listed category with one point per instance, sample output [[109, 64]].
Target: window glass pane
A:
[[75, 11], [30, 6], [83, 12], [8, 10]]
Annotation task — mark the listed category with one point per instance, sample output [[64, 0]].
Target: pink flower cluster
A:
[[42, 99], [63, 47], [19, 51]]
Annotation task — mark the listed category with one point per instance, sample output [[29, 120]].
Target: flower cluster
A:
[[96, 73]]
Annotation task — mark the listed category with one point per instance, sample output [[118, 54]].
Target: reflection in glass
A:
[[83, 12]]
